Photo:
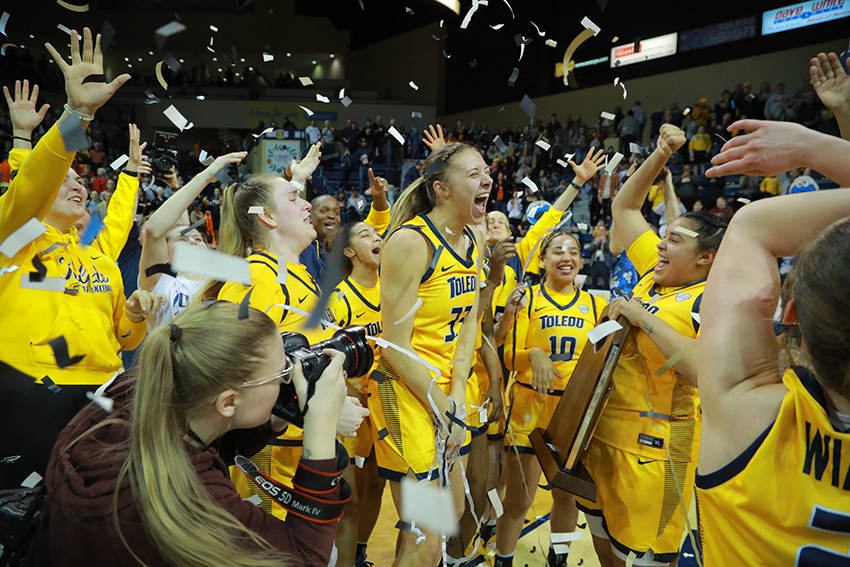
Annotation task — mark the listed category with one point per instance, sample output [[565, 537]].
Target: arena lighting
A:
[[314, 62], [200, 97], [215, 58], [332, 55], [289, 55], [150, 52], [140, 59]]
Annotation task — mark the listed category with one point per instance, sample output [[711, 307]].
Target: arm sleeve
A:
[[33, 190], [516, 353], [549, 219], [643, 252], [129, 334], [119, 218], [380, 220], [311, 542], [17, 157]]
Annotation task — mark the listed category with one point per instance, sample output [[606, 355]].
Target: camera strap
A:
[[303, 498]]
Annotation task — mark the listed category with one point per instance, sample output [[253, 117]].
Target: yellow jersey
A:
[[447, 291], [299, 290], [555, 322], [629, 420], [783, 501], [352, 304]]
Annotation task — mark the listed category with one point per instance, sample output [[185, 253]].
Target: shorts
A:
[[528, 411], [402, 427], [637, 500], [279, 460]]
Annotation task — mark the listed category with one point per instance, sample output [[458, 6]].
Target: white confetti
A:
[[551, 43], [744, 200], [514, 76], [588, 24], [359, 461], [341, 293], [209, 263], [431, 507], [106, 404], [282, 272], [30, 230], [540, 33], [496, 502], [498, 26], [342, 93], [416, 114], [607, 116], [413, 86], [468, 17], [615, 161], [410, 313], [118, 163], [3, 20], [543, 145], [60, 27], [176, 118], [305, 109], [602, 330], [205, 158], [562, 163], [213, 28], [635, 148], [261, 134], [530, 184], [625, 92], [170, 29], [33, 479], [256, 210], [396, 134], [346, 101], [321, 98], [267, 57], [8, 270], [305, 81]]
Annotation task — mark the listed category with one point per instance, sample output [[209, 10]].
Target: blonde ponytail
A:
[[420, 197], [240, 232], [176, 377]]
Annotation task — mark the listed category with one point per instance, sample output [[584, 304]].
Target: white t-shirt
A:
[[178, 294], [313, 134]]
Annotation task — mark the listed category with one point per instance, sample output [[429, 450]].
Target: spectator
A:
[[629, 131], [98, 156], [94, 201], [100, 209], [313, 133], [722, 208], [363, 157], [748, 104], [784, 112], [723, 106], [699, 147], [640, 116], [773, 106], [328, 140], [701, 114]]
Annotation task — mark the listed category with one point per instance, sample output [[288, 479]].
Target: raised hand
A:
[[85, 97], [136, 150], [223, 161], [434, 138], [670, 139], [770, 148], [143, 303], [377, 185], [588, 168], [830, 81], [22, 110], [302, 170]]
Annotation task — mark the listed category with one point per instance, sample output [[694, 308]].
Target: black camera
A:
[[350, 341], [163, 155]]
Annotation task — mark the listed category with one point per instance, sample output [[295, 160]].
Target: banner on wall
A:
[[802, 15], [652, 48], [276, 112], [276, 154], [718, 34]]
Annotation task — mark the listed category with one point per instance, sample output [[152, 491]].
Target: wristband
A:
[[22, 138], [297, 184], [131, 173], [574, 185], [78, 114]]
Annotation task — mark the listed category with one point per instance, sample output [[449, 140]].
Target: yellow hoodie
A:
[[119, 219], [92, 321]]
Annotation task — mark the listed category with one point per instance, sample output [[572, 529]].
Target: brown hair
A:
[[546, 243], [241, 232], [420, 197], [822, 297]]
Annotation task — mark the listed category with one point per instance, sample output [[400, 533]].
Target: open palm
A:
[[22, 110], [86, 97], [830, 81]]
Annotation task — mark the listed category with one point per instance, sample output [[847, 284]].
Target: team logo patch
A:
[[584, 309], [683, 296]]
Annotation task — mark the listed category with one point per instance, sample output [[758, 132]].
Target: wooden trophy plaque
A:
[[562, 445]]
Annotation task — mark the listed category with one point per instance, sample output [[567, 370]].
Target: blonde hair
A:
[[420, 196], [241, 232], [175, 378]]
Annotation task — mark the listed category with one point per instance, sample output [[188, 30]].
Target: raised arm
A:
[[379, 212], [627, 204], [671, 202], [740, 385], [833, 87], [22, 111], [34, 189], [773, 147], [155, 249]]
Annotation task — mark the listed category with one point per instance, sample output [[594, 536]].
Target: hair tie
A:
[[176, 332]]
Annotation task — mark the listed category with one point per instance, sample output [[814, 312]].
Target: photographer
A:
[[149, 484]]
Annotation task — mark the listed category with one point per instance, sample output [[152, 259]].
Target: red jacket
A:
[[77, 527]]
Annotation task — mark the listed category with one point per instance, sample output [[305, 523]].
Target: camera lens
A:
[[351, 342]]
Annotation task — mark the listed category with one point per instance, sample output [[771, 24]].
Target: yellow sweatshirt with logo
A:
[[119, 213], [92, 320]]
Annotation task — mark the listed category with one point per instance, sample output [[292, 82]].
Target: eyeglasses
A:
[[284, 376]]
